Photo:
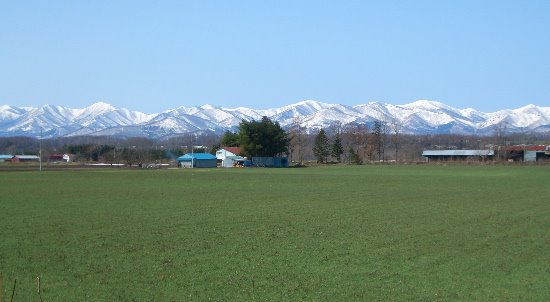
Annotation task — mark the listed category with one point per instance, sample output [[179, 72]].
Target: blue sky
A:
[[155, 55]]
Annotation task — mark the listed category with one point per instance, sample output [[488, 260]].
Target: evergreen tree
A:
[[337, 149], [263, 138], [321, 148], [230, 139]]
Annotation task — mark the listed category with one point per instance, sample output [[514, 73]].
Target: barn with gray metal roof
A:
[[449, 155]]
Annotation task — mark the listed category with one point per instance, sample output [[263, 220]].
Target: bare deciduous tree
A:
[[396, 127], [297, 141]]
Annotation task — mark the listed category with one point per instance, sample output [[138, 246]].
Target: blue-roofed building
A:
[[25, 158], [5, 157], [197, 160]]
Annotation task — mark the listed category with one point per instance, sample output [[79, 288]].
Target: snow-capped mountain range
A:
[[420, 117]]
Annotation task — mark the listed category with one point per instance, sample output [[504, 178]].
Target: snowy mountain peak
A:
[[207, 107], [529, 109], [530, 106], [100, 107], [426, 104], [313, 104]]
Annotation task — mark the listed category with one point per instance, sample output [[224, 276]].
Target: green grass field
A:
[[405, 233]]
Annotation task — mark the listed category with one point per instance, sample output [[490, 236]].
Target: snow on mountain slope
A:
[[243, 113], [421, 116], [528, 117], [375, 111], [327, 117], [47, 118], [9, 113], [303, 108]]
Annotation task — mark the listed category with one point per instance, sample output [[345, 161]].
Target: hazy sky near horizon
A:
[[155, 55]]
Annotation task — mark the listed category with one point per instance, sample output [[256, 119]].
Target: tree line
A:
[[378, 141]]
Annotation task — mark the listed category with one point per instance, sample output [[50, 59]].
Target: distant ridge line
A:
[[419, 117]]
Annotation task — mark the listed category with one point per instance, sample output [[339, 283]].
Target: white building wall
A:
[[530, 156], [222, 154]]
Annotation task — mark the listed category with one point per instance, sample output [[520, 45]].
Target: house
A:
[[197, 160], [450, 155], [59, 158], [5, 158], [229, 157], [227, 151]]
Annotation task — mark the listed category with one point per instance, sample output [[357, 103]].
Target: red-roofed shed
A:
[[526, 148], [234, 150], [528, 153]]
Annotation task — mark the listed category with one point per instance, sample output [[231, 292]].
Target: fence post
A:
[[13, 291], [38, 288]]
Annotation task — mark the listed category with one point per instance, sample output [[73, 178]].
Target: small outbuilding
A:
[[229, 157], [59, 158], [197, 160], [270, 162], [25, 158], [5, 158], [527, 153], [235, 162]]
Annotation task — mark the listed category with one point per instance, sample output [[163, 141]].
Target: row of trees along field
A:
[[108, 149], [385, 141], [352, 144]]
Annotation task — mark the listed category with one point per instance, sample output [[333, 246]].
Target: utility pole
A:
[[192, 152]]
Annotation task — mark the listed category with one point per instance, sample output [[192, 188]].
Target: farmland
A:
[[406, 233]]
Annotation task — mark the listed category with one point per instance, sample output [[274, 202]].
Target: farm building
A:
[[59, 158], [229, 157], [25, 158], [451, 155], [228, 151], [197, 160], [224, 152], [270, 162], [527, 153], [233, 161], [5, 158]]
